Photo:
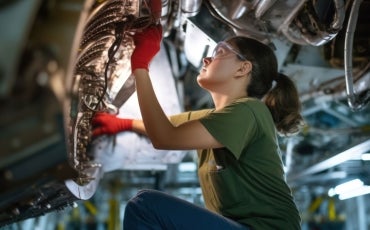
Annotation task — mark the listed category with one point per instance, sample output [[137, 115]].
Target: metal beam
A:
[[352, 153]]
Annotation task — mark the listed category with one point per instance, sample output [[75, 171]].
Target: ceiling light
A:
[[355, 192], [365, 157], [348, 186], [349, 189]]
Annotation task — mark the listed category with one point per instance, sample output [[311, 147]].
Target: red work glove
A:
[[147, 45], [106, 123], [156, 8]]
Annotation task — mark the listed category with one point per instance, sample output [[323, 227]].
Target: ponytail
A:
[[282, 100], [284, 105]]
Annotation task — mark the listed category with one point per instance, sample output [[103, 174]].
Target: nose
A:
[[207, 60]]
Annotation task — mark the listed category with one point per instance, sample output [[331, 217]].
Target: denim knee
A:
[[139, 201]]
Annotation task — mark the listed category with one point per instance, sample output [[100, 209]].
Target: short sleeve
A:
[[181, 118], [234, 126]]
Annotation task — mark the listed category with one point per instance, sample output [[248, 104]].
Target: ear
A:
[[245, 68]]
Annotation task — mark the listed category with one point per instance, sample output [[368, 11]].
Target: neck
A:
[[228, 92], [222, 100]]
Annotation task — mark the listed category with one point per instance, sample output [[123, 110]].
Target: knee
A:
[[140, 211], [149, 195], [141, 198], [144, 195], [142, 205]]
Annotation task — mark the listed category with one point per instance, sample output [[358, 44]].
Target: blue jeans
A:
[[155, 210]]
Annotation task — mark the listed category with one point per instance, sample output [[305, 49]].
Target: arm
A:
[[190, 135], [156, 125], [138, 127], [105, 123]]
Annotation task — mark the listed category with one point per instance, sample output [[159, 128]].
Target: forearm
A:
[[157, 125], [138, 127]]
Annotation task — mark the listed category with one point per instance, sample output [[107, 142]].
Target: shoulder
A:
[[245, 106], [249, 102], [252, 105]]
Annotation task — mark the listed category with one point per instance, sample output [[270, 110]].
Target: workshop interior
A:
[[63, 61]]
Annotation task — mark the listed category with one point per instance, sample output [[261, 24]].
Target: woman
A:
[[240, 169]]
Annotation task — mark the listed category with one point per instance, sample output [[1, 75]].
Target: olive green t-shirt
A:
[[244, 181]]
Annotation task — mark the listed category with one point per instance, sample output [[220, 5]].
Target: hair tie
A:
[[274, 81], [277, 77]]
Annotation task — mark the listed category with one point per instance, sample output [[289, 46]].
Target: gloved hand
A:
[[156, 8], [147, 45], [106, 123]]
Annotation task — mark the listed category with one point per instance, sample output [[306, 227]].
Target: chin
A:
[[201, 82]]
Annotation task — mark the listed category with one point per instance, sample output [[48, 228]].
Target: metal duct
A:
[[190, 7], [304, 27], [353, 100]]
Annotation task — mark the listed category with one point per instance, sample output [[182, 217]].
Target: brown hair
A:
[[282, 99]]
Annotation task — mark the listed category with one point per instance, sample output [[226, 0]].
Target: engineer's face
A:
[[218, 69]]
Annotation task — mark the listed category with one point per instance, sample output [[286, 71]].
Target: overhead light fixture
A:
[[348, 189], [365, 189], [365, 157]]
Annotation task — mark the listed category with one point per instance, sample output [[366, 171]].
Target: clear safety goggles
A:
[[223, 49]]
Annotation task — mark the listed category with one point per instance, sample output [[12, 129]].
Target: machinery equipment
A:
[[63, 61]]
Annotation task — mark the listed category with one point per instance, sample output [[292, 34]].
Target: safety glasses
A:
[[223, 49]]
